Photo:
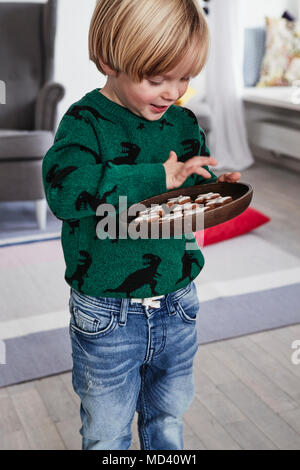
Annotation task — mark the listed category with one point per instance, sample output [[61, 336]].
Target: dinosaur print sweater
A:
[[102, 151]]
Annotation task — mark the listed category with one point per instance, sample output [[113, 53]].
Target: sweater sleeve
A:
[[197, 135], [76, 180], [204, 152]]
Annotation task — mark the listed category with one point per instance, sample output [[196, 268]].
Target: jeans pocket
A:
[[188, 305], [92, 323]]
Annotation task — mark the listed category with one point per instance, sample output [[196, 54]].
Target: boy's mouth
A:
[[159, 109]]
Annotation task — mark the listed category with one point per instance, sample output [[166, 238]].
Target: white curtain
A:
[[224, 83]]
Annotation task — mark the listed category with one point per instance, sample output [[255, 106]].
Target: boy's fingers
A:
[[203, 172], [232, 176], [190, 169], [202, 161], [187, 171], [194, 166]]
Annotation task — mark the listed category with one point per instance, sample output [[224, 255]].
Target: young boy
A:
[[133, 303]]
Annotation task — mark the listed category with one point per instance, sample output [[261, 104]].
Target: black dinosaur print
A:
[[205, 153], [187, 262], [142, 277], [73, 224], [97, 157], [204, 150], [54, 176], [82, 269], [165, 123], [191, 115], [141, 126], [83, 148], [130, 151], [191, 148], [85, 198], [75, 112]]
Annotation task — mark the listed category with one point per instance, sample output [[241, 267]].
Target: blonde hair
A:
[[148, 37]]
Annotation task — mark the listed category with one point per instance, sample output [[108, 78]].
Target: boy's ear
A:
[[107, 69]]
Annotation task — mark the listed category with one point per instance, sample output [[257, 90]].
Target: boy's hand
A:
[[177, 172], [229, 177]]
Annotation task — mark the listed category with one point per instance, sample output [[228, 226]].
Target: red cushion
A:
[[243, 223]]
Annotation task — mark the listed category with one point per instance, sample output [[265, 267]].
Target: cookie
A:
[[178, 200], [183, 207], [197, 210], [206, 197], [172, 216], [156, 209], [147, 218], [218, 202]]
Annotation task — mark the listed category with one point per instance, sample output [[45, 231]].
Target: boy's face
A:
[[143, 98]]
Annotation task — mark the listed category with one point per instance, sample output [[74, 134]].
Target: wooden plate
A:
[[241, 194]]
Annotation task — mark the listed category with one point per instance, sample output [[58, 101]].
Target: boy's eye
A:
[[185, 79], [155, 83]]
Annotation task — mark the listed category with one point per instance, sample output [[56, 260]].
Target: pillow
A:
[[254, 50], [288, 16], [243, 223], [280, 65]]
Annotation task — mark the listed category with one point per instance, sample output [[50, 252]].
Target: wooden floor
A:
[[247, 388]]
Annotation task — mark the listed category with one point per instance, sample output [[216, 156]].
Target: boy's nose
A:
[[171, 94], [170, 99]]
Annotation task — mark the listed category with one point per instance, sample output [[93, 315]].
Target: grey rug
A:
[[18, 223], [247, 285], [49, 352]]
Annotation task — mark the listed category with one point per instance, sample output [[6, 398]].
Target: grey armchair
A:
[[28, 115]]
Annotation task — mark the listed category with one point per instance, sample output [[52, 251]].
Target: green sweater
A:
[[102, 151]]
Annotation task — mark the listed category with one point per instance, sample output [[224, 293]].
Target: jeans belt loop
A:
[[123, 311], [170, 305]]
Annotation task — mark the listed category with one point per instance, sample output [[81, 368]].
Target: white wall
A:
[[73, 68]]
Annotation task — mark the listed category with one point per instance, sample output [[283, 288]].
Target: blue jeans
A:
[[129, 357]]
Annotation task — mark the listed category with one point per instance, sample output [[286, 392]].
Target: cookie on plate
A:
[[156, 209], [183, 207], [178, 200], [147, 218], [202, 198], [218, 202]]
